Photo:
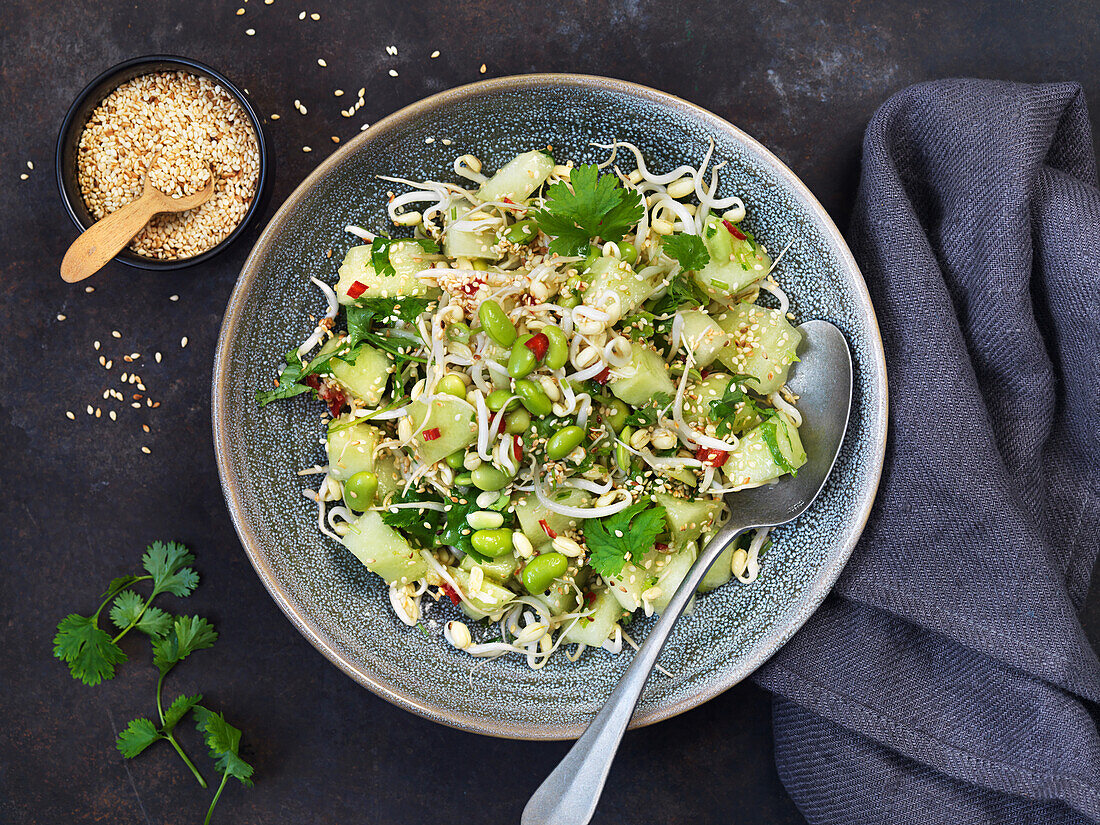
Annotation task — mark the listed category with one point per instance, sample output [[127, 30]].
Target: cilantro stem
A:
[[171, 738], [137, 618], [214, 801], [112, 593]]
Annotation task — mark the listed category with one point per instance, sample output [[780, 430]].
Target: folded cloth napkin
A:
[[947, 679]]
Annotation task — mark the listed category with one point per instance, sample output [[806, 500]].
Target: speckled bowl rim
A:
[[399, 695]]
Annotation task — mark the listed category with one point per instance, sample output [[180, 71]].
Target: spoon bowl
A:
[[822, 379]]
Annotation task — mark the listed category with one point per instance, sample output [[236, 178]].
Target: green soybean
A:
[[564, 441], [487, 477], [459, 332], [593, 255], [522, 232], [517, 421], [622, 454], [522, 360], [569, 301], [533, 398], [496, 323], [498, 398], [359, 490], [628, 251], [451, 384], [492, 543], [455, 460], [615, 413], [464, 480], [541, 571], [557, 353]]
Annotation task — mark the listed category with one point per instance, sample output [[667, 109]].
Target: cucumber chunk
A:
[[687, 520], [627, 587], [518, 178], [531, 512], [703, 337], [383, 550], [365, 379], [596, 628], [489, 598], [350, 447], [734, 263], [461, 243], [500, 569], [699, 397], [644, 377], [449, 426], [613, 282], [754, 460], [763, 345], [407, 258], [720, 572], [672, 575]]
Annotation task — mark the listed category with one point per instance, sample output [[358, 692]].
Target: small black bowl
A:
[[93, 94]]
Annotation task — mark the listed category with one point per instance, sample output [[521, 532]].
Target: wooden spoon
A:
[[100, 242]]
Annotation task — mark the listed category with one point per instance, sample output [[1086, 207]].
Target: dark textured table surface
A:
[[81, 500]]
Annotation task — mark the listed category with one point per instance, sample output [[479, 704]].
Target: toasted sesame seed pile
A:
[[171, 125]]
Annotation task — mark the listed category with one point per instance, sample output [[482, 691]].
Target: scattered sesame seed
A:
[[136, 405], [24, 176], [145, 427], [116, 334], [89, 289], [240, 12], [102, 361], [146, 450], [60, 317], [98, 412], [274, 117], [30, 165], [362, 91], [391, 50], [173, 297], [434, 54], [338, 93], [446, 141], [113, 416], [302, 16], [109, 364], [90, 410], [306, 149], [157, 356], [183, 342], [335, 139], [483, 68], [393, 72], [96, 345], [321, 62], [250, 32], [268, 2], [315, 16], [429, 140], [69, 415], [364, 127]]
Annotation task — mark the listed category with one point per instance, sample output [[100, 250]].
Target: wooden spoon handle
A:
[[106, 238]]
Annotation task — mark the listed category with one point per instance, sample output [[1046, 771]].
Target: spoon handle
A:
[[104, 239], [569, 795]]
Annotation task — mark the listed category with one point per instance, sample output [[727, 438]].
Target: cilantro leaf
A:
[[165, 563], [689, 250], [630, 532], [735, 408], [224, 742], [88, 650], [380, 252], [126, 609], [178, 709], [154, 622], [456, 531], [401, 308], [646, 415], [188, 634], [420, 525], [681, 290], [118, 584], [596, 206], [289, 381], [139, 734]]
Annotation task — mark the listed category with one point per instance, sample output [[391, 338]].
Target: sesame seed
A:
[[315, 16], [335, 139], [102, 361], [173, 297], [321, 62], [109, 364], [30, 165], [136, 405], [434, 54], [274, 117], [446, 141], [429, 140], [116, 334], [183, 342], [69, 415], [24, 176], [157, 357], [391, 50], [240, 12], [393, 72], [145, 427], [60, 317], [89, 289], [96, 345], [306, 149], [146, 450], [362, 91], [302, 16], [338, 93], [364, 127], [113, 415], [483, 68], [98, 412], [90, 410], [250, 32]]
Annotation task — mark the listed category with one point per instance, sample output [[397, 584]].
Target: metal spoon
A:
[[823, 381], [104, 239]]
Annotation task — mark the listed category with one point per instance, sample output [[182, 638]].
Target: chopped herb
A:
[[646, 415], [735, 408], [420, 525], [597, 206], [689, 250], [289, 381], [380, 253], [632, 532]]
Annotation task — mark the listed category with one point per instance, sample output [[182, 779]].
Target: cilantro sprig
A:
[[646, 415], [590, 206], [92, 655], [630, 532], [681, 290], [688, 250], [735, 406]]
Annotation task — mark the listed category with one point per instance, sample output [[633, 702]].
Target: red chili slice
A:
[[602, 376], [508, 200], [737, 233], [661, 548], [708, 455], [333, 396], [451, 594], [589, 597], [546, 528], [312, 381], [432, 434], [356, 289], [517, 448], [538, 344]]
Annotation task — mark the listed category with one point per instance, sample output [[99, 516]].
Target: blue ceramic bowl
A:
[[344, 610]]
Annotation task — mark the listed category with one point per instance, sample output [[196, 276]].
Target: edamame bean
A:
[[569, 301], [359, 490], [522, 232], [492, 543], [459, 332], [628, 251], [541, 571], [522, 360], [622, 454], [517, 422], [594, 254], [451, 384], [488, 477], [533, 398], [564, 441], [557, 353], [496, 324], [498, 398], [615, 413], [464, 480], [455, 459]]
